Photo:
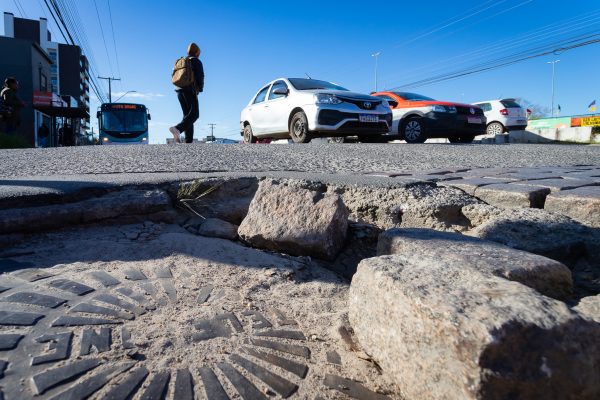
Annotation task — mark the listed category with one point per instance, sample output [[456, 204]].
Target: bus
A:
[[122, 123]]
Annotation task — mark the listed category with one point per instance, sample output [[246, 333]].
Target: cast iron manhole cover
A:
[[146, 335]]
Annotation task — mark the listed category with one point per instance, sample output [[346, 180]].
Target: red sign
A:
[[47, 99], [42, 98]]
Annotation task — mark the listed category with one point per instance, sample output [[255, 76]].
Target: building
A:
[[53, 68], [30, 64]]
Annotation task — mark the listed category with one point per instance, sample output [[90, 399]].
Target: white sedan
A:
[[300, 109]]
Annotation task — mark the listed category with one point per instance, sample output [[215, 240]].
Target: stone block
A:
[[581, 204], [547, 276], [296, 221], [213, 227], [441, 329], [512, 196]]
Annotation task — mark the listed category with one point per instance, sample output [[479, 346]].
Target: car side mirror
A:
[[149, 117], [98, 115], [393, 103], [281, 91]]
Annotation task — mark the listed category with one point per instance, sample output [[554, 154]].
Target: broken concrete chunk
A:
[[547, 276], [296, 221], [442, 330], [213, 227]]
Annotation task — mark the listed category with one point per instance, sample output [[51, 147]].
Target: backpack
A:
[[183, 73]]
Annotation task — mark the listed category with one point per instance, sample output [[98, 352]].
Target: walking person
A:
[[188, 76], [12, 100]]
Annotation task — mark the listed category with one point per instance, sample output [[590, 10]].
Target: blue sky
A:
[[246, 44]]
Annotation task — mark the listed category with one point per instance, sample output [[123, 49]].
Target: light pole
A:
[[131, 91], [553, 80], [376, 55]]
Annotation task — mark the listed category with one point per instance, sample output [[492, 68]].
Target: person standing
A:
[[43, 133], [188, 96], [12, 100]]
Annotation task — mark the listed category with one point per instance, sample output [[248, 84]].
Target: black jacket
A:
[[198, 75]]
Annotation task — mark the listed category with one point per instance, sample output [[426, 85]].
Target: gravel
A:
[[326, 158]]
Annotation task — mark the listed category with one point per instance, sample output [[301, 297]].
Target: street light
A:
[[131, 91], [376, 55], [553, 79]]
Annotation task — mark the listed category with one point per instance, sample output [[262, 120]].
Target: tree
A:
[[537, 111]]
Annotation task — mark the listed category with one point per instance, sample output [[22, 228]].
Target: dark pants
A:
[[189, 105]]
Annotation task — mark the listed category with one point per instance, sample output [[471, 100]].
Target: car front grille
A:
[[334, 117], [467, 110], [361, 103], [365, 127]]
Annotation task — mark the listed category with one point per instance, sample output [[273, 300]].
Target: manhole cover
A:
[[154, 333]]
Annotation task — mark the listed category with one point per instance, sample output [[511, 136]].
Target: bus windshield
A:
[[124, 120]]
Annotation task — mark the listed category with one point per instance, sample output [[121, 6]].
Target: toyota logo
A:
[[472, 111], [368, 105]]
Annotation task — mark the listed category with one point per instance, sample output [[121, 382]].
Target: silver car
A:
[[301, 109]]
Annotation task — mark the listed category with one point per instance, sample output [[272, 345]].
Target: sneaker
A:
[[176, 134]]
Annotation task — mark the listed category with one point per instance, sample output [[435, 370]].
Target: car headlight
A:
[[385, 103], [144, 139], [451, 109], [327, 99], [440, 109], [105, 139]]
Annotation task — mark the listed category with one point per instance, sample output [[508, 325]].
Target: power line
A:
[[20, 9], [112, 27], [103, 37], [454, 21], [109, 86], [505, 61], [537, 35], [63, 26]]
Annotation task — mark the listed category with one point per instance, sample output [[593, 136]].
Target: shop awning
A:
[[67, 112]]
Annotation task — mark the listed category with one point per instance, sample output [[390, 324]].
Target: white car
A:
[[300, 109], [504, 116]]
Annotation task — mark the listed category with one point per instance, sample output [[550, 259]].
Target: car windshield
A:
[[313, 84], [510, 104], [413, 96], [124, 121]]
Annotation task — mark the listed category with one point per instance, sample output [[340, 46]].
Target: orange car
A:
[[418, 118]]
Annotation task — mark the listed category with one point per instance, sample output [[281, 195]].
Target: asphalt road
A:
[[316, 158]]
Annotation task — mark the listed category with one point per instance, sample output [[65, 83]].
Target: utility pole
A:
[[553, 80], [212, 132], [109, 86], [376, 55]]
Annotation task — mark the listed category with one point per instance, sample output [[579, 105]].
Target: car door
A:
[[278, 109], [258, 111]]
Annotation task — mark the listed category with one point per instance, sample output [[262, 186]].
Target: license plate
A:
[[474, 120], [521, 121], [368, 118]]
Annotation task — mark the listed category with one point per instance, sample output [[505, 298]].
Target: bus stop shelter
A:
[[61, 115]]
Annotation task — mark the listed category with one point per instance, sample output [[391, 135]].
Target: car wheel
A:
[[495, 128], [299, 128], [413, 130], [248, 136]]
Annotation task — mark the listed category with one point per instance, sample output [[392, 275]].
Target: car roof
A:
[[495, 100]]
